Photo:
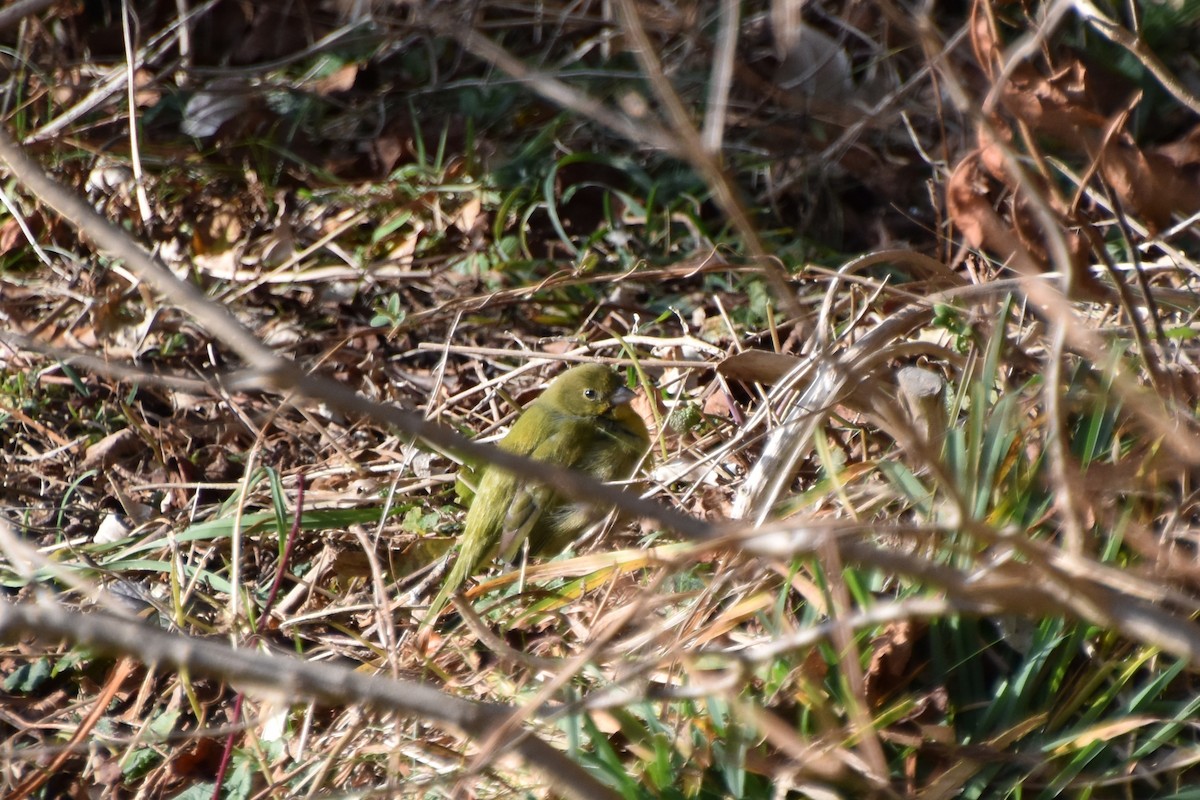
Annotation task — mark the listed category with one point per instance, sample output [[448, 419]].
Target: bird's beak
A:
[[621, 396]]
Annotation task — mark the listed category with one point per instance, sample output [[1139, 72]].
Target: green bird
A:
[[583, 422]]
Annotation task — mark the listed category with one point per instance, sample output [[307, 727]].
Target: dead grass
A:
[[985, 594]]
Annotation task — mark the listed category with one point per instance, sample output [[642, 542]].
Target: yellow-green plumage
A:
[[583, 422]]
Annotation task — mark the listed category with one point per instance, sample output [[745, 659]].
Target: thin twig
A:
[[21, 9], [288, 679], [690, 147]]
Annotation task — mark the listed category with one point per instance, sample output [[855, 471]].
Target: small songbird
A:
[[583, 422]]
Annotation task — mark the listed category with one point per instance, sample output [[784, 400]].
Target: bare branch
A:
[[290, 678]]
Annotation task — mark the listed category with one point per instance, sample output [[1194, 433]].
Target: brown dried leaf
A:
[[218, 232], [991, 151], [111, 449], [11, 236], [970, 207], [718, 404], [984, 39], [468, 214], [387, 150], [890, 660], [644, 404], [1157, 184], [1030, 232], [1061, 104], [146, 91], [758, 366], [340, 80], [1184, 152], [196, 758], [106, 771], [814, 668], [712, 503]]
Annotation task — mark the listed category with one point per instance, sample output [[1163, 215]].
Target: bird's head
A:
[[589, 390]]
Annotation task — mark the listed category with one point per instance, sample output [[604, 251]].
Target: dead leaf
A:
[[467, 215], [983, 39], [1158, 184], [218, 232], [1032, 236], [890, 659], [340, 80], [970, 207], [758, 366], [111, 449], [196, 758], [1060, 104], [11, 235], [712, 504], [106, 771], [643, 405], [718, 404], [991, 151], [146, 91]]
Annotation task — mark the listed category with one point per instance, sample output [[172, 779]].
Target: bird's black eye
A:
[[590, 394]]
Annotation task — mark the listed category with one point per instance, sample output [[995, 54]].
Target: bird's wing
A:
[[528, 504], [563, 448]]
